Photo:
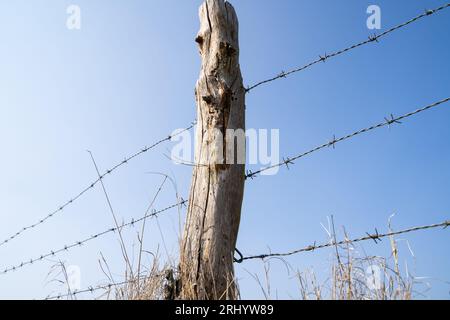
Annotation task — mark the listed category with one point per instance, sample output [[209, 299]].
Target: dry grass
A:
[[357, 278], [353, 275]]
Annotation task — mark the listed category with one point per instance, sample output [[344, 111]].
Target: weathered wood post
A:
[[209, 240]]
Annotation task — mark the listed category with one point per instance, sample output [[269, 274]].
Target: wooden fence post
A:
[[211, 229]]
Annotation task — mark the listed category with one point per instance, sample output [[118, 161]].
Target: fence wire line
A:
[[372, 39], [66, 248], [376, 237], [388, 121], [93, 184], [91, 289]]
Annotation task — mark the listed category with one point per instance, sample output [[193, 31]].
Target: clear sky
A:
[[127, 78]]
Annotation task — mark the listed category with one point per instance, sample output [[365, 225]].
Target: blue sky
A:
[[127, 78]]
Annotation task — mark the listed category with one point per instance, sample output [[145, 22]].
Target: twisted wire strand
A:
[[388, 121], [66, 248], [93, 184], [371, 39], [92, 289], [374, 236]]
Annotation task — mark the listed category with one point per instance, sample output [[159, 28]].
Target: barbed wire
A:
[[372, 39], [376, 237], [92, 289], [66, 248], [388, 121], [94, 183]]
